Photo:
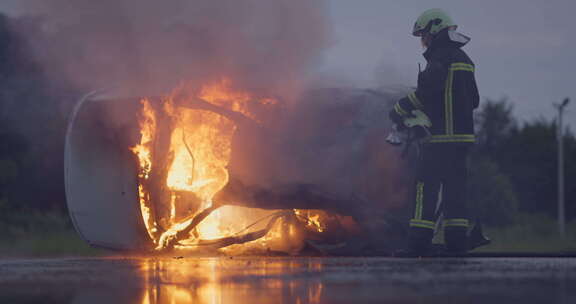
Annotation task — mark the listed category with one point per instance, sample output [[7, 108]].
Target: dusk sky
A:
[[522, 48]]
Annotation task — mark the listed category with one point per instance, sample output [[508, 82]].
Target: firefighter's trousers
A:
[[441, 188]]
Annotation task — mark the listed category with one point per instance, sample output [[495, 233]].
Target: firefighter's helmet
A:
[[432, 21]]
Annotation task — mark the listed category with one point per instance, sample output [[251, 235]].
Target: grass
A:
[[34, 234], [531, 233]]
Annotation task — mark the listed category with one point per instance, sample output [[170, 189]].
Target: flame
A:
[[201, 145], [143, 151], [312, 218], [199, 152]]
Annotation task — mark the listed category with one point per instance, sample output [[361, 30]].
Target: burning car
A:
[[220, 169]]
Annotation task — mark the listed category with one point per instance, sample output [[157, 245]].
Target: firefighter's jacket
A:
[[446, 91]]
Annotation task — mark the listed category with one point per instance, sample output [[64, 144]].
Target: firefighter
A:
[[444, 100]]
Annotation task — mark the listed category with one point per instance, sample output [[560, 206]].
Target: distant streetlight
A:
[[560, 139]]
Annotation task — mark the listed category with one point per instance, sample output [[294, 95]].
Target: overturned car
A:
[[217, 169]]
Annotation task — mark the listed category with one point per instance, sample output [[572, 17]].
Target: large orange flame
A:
[[200, 149]]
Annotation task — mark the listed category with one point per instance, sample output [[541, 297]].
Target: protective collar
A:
[[447, 39]]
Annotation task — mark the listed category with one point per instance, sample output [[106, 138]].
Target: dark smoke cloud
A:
[[150, 46], [332, 139]]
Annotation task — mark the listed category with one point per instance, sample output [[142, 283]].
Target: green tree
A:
[[31, 126], [526, 155], [491, 194], [529, 157], [494, 124]]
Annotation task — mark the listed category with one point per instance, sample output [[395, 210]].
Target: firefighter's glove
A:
[[419, 124], [417, 119], [415, 126]]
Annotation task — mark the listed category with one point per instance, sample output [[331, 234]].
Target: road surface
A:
[[155, 280]]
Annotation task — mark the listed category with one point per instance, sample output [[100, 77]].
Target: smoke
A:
[[150, 46], [330, 152], [332, 140]]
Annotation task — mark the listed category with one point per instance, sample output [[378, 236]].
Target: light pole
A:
[[560, 139]]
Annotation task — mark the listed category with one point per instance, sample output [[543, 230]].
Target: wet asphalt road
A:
[[289, 280]]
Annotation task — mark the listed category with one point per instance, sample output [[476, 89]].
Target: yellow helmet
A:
[[432, 21]]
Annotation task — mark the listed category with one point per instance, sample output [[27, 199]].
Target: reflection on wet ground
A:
[[231, 281], [288, 280]]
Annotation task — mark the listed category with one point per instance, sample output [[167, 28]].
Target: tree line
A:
[[32, 124], [514, 166]]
